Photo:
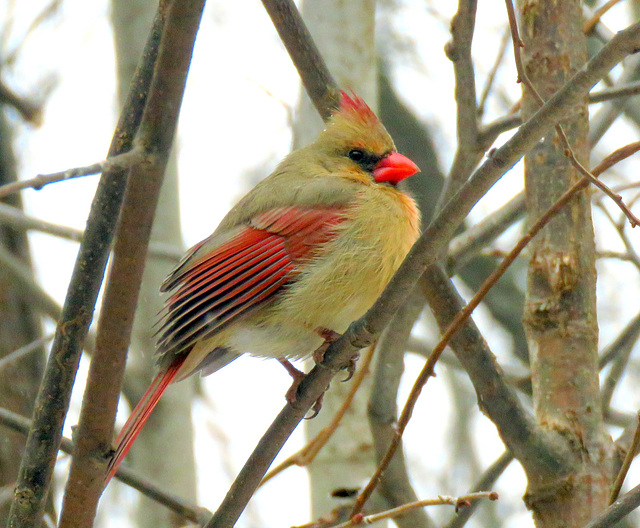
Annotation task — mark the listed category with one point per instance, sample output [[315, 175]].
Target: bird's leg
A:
[[298, 376], [329, 337]]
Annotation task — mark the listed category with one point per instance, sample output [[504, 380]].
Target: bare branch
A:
[[308, 453], [395, 484], [442, 500], [19, 220], [34, 346], [118, 162], [459, 52]]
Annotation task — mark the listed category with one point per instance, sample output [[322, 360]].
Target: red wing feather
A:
[[211, 289]]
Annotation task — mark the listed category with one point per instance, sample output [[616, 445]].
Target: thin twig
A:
[[118, 162], [17, 219], [626, 338], [626, 464], [442, 500], [465, 313], [307, 454], [489, 132], [492, 73], [126, 475]]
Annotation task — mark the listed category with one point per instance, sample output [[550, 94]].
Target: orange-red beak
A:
[[394, 168]]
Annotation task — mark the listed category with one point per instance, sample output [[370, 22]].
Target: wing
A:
[[222, 278]]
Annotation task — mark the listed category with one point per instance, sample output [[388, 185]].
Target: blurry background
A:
[[70, 59]]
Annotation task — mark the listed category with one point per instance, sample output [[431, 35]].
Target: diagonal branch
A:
[[119, 162]]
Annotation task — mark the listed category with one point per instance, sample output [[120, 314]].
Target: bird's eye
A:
[[356, 155]]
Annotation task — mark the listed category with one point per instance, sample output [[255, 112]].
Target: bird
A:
[[307, 251]]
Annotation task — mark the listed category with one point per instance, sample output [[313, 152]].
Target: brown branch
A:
[[53, 398], [128, 476], [119, 162], [442, 500], [179, 21], [17, 219], [363, 332], [626, 464], [458, 50]]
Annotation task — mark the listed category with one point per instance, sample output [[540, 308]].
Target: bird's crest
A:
[[355, 106]]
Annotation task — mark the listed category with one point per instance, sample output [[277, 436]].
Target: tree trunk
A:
[[560, 312]]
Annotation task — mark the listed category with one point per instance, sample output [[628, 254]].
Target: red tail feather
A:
[[139, 416]]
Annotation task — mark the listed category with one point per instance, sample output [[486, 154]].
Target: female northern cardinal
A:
[[300, 257]]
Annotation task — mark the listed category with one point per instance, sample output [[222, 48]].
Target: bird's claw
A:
[[315, 409], [351, 367]]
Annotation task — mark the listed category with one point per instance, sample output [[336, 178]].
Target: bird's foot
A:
[[291, 394], [351, 367], [329, 337], [297, 376]]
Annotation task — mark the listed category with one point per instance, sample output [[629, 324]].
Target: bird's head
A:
[[359, 144]]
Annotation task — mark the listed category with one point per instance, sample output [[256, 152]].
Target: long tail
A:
[[139, 416]]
